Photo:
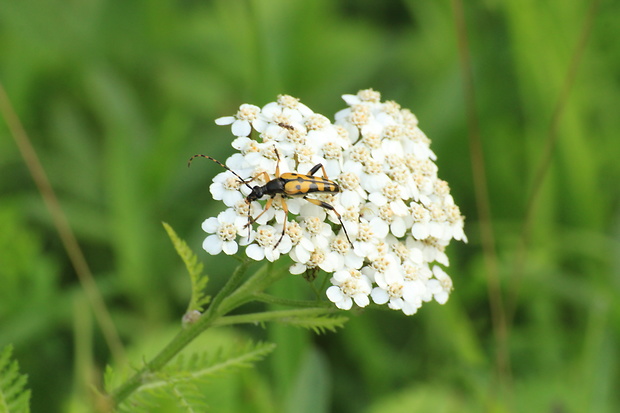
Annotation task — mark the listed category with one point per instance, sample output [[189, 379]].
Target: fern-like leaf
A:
[[14, 397], [205, 365], [181, 381], [317, 323], [194, 267]]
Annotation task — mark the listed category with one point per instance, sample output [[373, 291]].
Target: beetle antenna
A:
[[220, 164]]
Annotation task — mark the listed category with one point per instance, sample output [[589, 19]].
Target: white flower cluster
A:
[[399, 216]]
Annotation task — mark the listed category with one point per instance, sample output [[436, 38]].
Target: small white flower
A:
[[317, 260], [264, 246], [287, 110], [227, 188], [242, 122], [318, 230], [342, 255], [414, 293], [441, 286], [349, 286], [352, 192], [421, 217], [225, 229], [368, 235], [301, 241]]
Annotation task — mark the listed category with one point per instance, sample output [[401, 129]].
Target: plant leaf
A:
[[181, 382], [14, 398], [199, 299], [319, 323]]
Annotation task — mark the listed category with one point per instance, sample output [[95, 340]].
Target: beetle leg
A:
[[331, 208], [277, 162], [263, 174], [285, 209], [316, 167], [267, 206]]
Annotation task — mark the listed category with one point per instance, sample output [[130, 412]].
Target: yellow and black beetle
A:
[[288, 184]]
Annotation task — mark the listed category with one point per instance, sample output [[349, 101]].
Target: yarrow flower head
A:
[[358, 198]]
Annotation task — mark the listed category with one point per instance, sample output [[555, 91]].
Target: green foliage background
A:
[[116, 95]]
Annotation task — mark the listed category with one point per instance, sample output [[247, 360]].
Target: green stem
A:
[[182, 339], [263, 278], [271, 299], [279, 315], [231, 296], [232, 284]]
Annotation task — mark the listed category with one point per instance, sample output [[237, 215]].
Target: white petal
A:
[[442, 258], [297, 269], [217, 190], [416, 256], [396, 303], [255, 252], [377, 198], [301, 255], [241, 142], [379, 227], [212, 244], [271, 109], [419, 231], [340, 276], [294, 206], [394, 275], [413, 290], [379, 295], [349, 199], [260, 125], [351, 99], [225, 120], [353, 261], [433, 286], [230, 198], [304, 110], [361, 300], [334, 294], [241, 128], [210, 225], [320, 242], [458, 234], [372, 128], [345, 304], [409, 309], [307, 244], [398, 228], [271, 254], [399, 208], [230, 247], [439, 273], [285, 245], [435, 229], [442, 297], [329, 264]]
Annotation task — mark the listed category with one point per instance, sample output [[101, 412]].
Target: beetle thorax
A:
[[257, 193]]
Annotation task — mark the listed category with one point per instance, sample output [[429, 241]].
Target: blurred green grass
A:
[[117, 95]]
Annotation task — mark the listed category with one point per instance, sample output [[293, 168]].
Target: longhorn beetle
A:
[[288, 184]]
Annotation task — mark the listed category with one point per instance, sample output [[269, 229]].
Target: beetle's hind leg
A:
[[316, 167], [285, 209], [331, 208]]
